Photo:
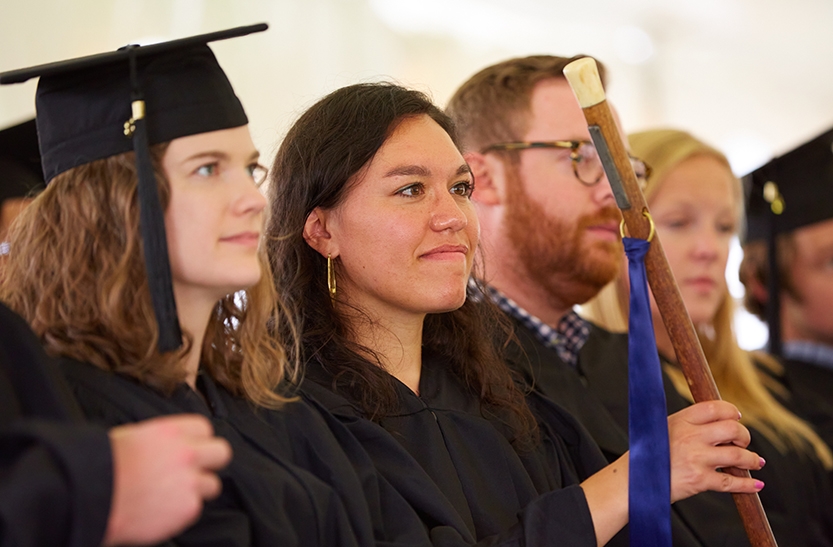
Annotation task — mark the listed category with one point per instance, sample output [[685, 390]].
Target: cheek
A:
[[566, 209], [560, 197], [817, 292], [375, 245], [725, 251], [674, 246], [185, 221], [472, 224], [191, 225]]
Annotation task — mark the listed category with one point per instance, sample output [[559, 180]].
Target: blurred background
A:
[[751, 77]]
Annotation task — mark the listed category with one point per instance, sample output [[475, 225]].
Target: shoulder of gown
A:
[[266, 499], [459, 472]]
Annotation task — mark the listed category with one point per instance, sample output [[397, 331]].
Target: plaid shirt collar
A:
[[567, 338]]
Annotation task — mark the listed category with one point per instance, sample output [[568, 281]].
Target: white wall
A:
[[750, 76], [740, 73]]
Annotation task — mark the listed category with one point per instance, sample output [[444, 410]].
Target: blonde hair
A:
[[76, 274], [734, 369]]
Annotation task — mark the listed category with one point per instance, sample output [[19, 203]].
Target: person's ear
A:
[[757, 289], [316, 234], [488, 178]]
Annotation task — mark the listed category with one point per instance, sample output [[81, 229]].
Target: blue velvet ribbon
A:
[[649, 480]]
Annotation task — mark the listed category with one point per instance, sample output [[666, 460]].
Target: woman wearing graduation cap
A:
[[148, 154], [65, 482], [697, 204], [372, 237]]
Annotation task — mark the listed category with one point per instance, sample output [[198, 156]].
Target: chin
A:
[[701, 317], [448, 304], [699, 309], [242, 282]]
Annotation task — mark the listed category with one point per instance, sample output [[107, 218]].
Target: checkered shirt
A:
[[567, 338]]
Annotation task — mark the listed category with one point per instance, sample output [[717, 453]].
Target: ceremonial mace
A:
[[583, 77]]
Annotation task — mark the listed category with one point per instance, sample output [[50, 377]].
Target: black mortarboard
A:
[[791, 191], [20, 168], [799, 184], [98, 106]]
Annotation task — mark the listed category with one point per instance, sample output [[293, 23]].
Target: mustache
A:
[[607, 215]]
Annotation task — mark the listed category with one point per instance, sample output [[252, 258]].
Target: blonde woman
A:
[[696, 203]]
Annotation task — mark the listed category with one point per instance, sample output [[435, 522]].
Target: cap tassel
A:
[[773, 306], [152, 227]]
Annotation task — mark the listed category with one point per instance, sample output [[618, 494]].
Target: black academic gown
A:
[[598, 398], [811, 394], [459, 471], [282, 487], [809, 509], [798, 497], [56, 474]]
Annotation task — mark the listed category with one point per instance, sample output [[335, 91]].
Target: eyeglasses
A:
[[587, 166]]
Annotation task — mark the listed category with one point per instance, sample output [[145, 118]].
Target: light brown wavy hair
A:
[[494, 104], [76, 273], [734, 369]]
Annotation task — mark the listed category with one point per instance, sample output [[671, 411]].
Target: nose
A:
[[248, 198], [447, 214], [602, 192], [708, 245]]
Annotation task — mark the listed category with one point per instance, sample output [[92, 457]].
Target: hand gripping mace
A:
[[583, 77]]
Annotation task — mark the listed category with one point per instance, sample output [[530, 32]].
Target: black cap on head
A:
[[791, 191], [98, 106], [20, 168]]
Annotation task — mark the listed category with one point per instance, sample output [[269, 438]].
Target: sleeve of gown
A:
[[222, 522], [56, 484]]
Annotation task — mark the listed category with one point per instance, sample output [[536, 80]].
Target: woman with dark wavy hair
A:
[[372, 239]]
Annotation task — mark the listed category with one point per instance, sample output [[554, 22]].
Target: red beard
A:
[[555, 254]]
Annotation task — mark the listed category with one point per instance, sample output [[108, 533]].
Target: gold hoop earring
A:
[[331, 277]]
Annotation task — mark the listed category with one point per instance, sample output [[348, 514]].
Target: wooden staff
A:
[[583, 77]]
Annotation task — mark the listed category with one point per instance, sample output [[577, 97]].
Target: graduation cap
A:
[[20, 168], [791, 191], [98, 106]]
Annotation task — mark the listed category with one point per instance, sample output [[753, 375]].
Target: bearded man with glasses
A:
[[550, 239]]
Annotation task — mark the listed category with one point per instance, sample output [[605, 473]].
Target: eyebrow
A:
[[419, 170], [218, 154]]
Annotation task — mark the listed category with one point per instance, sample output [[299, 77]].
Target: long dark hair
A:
[[314, 167]]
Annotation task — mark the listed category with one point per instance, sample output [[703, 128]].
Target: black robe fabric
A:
[[459, 471], [796, 496], [598, 398], [56, 473], [289, 482], [811, 395]]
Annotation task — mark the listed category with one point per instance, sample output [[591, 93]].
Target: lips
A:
[[446, 251], [606, 231], [702, 283], [243, 238]]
